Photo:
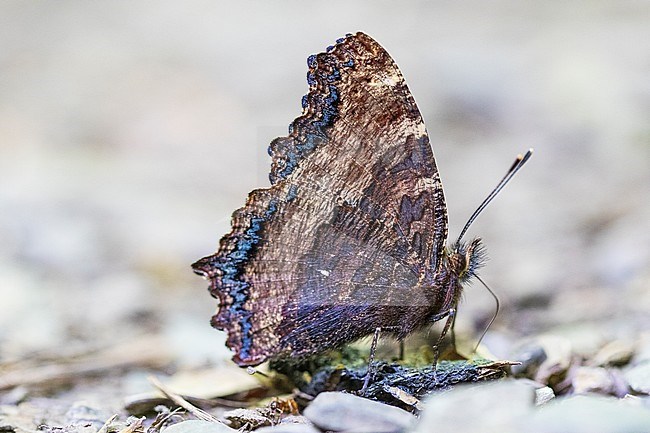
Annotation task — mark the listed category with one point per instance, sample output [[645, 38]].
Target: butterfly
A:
[[349, 239]]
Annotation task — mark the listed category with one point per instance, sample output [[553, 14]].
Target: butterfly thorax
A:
[[460, 262]]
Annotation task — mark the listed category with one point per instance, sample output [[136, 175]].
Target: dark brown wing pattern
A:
[[352, 227]]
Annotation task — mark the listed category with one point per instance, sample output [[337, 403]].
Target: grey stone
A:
[[249, 418], [642, 349], [291, 424], [616, 353], [506, 407], [592, 379], [531, 356], [499, 407], [545, 358], [639, 378], [543, 395], [289, 428], [591, 413], [197, 426], [337, 411]]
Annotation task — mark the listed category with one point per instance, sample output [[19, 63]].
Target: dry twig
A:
[[179, 400]]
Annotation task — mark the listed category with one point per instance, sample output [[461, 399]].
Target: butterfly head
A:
[[466, 258]]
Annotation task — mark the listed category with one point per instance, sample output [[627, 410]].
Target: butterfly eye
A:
[[458, 263], [464, 266]]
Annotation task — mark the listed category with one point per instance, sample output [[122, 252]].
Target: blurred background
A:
[[130, 131]]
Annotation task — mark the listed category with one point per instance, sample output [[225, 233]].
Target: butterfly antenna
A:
[[496, 312], [519, 162]]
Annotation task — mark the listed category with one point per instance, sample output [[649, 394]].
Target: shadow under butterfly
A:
[[349, 239]]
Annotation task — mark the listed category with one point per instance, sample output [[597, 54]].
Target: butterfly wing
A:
[[352, 226]]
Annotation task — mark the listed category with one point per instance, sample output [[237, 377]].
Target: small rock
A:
[[592, 379], [506, 407], [531, 358], [289, 428], [543, 395], [337, 412], [588, 414], [585, 339], [294, 419], [197, 426], [81, 413], [615, 353], [642, 354], [639, 378], [544, 359], [248, 418], [502, 407]]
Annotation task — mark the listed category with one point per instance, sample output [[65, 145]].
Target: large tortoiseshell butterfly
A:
[[349, 239]]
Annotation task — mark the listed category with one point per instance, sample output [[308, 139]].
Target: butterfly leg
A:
[[371, 370], [451, 318], [452, 331], [372, 367]]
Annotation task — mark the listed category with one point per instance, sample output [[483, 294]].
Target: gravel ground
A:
[[130, 131]]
